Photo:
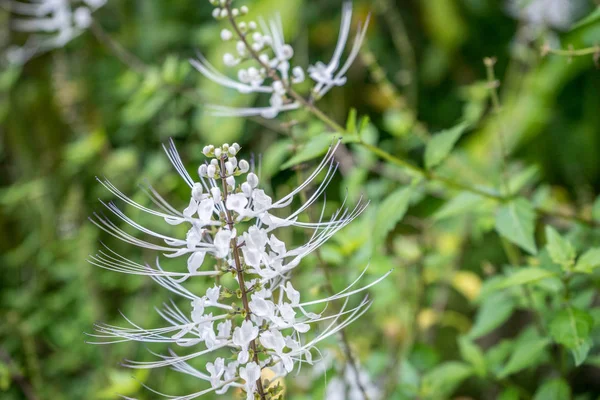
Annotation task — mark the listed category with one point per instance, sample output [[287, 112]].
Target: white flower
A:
[[272, 75], [242, 336], [557, 14], [216, 371], [250, 374], [277, 324], [50, 24], [274, 340]]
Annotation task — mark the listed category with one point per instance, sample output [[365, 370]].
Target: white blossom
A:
[[268, 325], [50, 24], [557, 14], [273, 62]]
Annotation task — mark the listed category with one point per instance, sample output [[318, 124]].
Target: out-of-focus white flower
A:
[[265, 45], [557, 14], [50, 23], [267, 328], [345, 386]]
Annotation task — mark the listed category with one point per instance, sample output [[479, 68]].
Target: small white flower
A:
[[250, 374]]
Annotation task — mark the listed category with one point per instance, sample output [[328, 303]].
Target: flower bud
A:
[[218, 152], [244, 166], [202, 171], [229, 167], [226, 35], [244, 10], [252, 180], [210, 171]]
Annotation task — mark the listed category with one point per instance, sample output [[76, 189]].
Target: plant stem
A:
[[126, 57], [240, 275], [430, 176], [586, 51], [328, 285]]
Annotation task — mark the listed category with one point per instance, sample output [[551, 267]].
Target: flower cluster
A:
[[233, 221], [264, 62], [50, 23]]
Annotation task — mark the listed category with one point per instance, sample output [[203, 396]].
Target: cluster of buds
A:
[[50, 23], [230, 163], [270, 326], [263, 46]]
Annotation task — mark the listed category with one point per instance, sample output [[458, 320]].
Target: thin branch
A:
[[402, 43], [125, 56], [240, 275], [25, 386]]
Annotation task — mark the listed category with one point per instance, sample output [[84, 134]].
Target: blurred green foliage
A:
[[495, 241]]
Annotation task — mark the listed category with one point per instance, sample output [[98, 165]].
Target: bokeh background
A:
[[105, 103]]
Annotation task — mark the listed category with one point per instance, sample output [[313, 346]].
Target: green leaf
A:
[[464, 202], [594, 16], [316, 147], [274, 156], [440, 146], [390, 212], [351, 121], [588, 261], [511, 393], [561, 250], [571, 328], [524, 276], [555, 389], [596, 210], [445, 378], [472, 354], [528, 350], [494, 310], [515, 221]]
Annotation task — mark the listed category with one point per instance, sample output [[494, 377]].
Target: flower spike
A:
[[269, 327]]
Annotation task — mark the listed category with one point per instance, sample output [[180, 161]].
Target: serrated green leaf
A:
[[445, 378], [588, 261], [390, 212], [528, 350], [524, 276], [440, 146], [555, 389], [571, 327], [494, 310], [561, 250], [464, 202], [472, 354], [515, 221]]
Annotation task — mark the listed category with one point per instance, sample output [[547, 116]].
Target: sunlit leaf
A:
[[493, 311], [561, 250], [440, 146], [515, 221]]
